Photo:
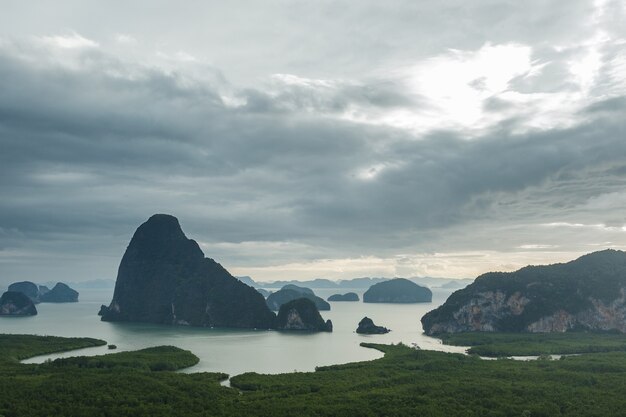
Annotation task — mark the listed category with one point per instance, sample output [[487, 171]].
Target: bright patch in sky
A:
[[70, 41]]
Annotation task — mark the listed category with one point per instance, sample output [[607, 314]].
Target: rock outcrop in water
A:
[[60, 293], [14, 303], [301, 314], [397, 290], [588, 293], [165, 278], [367, 326], [284, 295], [349, 296]]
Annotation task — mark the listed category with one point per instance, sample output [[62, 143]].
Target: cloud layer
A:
[[476, 150]]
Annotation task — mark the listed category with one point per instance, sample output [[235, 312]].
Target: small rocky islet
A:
[[367, 326]]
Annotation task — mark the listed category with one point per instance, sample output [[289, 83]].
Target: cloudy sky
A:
[[298, 139]]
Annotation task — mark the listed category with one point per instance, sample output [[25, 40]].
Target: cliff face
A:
[[588, 293], [164, 278], [13, 303], [301, 314]]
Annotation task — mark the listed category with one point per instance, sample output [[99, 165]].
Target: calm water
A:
[[238, 351]]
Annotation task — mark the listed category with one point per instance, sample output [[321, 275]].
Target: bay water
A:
[[237, 351]]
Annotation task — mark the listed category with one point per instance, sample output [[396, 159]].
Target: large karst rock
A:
[[165, 278], [397, 290], [301, 314], [14, 303], [588, 293]]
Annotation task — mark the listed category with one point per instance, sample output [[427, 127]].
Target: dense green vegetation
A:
[[406, 382], [535, 344], [160, 358], [15, 347]]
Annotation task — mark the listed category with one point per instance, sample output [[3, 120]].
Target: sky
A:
[[298, 139]]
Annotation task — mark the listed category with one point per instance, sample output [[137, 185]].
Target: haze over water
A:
[[238, 351]]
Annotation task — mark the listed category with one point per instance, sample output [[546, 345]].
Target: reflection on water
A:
[[238, 351]]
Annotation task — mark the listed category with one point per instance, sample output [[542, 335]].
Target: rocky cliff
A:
[[13, 303], [397, 290], [588, 293], [301, 314], [164, 278]]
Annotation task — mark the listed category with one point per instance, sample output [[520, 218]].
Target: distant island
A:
[[355, 283], [60, 293], [398, 290], [349, 296], [588, 293], [291, 292]]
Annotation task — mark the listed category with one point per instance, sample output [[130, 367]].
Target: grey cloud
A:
[[244, 175], [92, 147]]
